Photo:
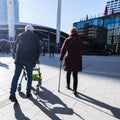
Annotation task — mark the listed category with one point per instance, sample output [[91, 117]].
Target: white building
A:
[[4, 11], [113, 6]]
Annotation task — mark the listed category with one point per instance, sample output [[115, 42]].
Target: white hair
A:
[[29, 27]]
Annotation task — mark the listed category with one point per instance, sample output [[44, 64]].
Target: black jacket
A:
[[26, 47]]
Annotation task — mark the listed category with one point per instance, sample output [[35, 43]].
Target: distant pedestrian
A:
[[72, 50], [43, 50], [26, 53], [52, 50]]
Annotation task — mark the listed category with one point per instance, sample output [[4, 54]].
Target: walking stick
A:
[[59, 77]]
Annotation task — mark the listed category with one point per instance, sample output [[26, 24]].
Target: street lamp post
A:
[[11, 27], [58, 22]]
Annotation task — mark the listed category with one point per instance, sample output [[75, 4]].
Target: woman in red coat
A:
[[72, 50]]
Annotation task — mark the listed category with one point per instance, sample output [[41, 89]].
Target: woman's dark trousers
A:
[[75, 79]]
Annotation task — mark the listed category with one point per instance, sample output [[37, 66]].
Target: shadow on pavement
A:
[[115, 111], [49, 103], [18, 113], [4, 65]]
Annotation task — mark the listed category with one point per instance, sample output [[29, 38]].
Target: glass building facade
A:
[[101, 34], [4, 12], [113, 6]]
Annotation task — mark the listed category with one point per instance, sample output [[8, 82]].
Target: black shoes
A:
[[75, 93], [13, 99]]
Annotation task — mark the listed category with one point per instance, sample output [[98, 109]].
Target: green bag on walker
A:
[[36, 76]]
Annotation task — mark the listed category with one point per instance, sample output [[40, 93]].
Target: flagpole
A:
[[58, 22]]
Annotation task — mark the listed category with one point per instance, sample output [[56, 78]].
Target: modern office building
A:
[[47, 35], [4, 11], [101, 34], [113, 6]]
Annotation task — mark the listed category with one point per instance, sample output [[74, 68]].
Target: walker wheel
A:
[[19, 88], [37, 89]]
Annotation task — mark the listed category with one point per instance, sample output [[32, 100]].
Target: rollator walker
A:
[[36, 76]]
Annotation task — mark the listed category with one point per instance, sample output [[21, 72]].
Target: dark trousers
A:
[[17, 72], [75, 79]]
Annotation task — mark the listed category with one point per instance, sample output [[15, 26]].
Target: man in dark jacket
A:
[[26, 53]]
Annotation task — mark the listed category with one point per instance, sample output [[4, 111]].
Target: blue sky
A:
[[44, 12]]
